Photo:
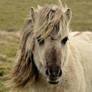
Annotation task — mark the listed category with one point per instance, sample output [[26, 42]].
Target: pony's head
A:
[[44, 46]]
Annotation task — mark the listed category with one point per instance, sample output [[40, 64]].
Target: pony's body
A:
[[83, 45], [50, 58], [78, 70]]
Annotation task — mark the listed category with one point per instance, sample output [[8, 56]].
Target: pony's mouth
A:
[[53, 82]]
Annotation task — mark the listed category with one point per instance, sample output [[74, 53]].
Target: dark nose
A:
[[53, 74]]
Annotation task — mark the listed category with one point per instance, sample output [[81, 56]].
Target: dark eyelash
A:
[[64, 40], [40, 40]]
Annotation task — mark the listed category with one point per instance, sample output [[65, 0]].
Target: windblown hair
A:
[[48, 20], [25, 68], [39, 26]]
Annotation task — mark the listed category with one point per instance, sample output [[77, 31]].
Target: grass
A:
[[8, 47], [3, 71], [13, 13], [12, 16], [82, 14]]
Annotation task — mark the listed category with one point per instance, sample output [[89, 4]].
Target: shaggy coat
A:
[[52, 59]]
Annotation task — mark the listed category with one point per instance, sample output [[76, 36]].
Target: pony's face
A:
[[50, 53], [49, 57]]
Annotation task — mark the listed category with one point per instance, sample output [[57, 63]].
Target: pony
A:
[[51, 58]]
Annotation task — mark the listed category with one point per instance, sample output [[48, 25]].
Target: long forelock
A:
[[47, 18]]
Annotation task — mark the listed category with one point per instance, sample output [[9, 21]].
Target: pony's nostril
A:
[[59, 72], [53, 74]]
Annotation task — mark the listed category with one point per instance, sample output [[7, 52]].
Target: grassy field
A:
[[13, 13], [12, 16]]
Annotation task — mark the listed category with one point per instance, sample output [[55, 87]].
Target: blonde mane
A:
[[46, 19]]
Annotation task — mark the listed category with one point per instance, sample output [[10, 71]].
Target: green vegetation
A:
[[13, 13], [8, 47], [12, 16]]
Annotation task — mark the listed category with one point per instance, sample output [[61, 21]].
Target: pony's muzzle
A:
[[53, 75]]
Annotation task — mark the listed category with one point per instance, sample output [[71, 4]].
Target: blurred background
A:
[[12, 16]]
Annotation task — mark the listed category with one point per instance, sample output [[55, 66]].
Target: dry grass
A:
[[8, 47], [13, 13]]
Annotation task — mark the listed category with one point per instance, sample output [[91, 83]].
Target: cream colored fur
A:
[[77, 72]]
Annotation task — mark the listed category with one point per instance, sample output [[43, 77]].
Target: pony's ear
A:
[[32, 14], [68, 15]]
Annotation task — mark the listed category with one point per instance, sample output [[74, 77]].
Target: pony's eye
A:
[[41, 41], [64, 40]]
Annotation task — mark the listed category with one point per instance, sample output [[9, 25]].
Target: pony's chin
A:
[[53, 81]]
